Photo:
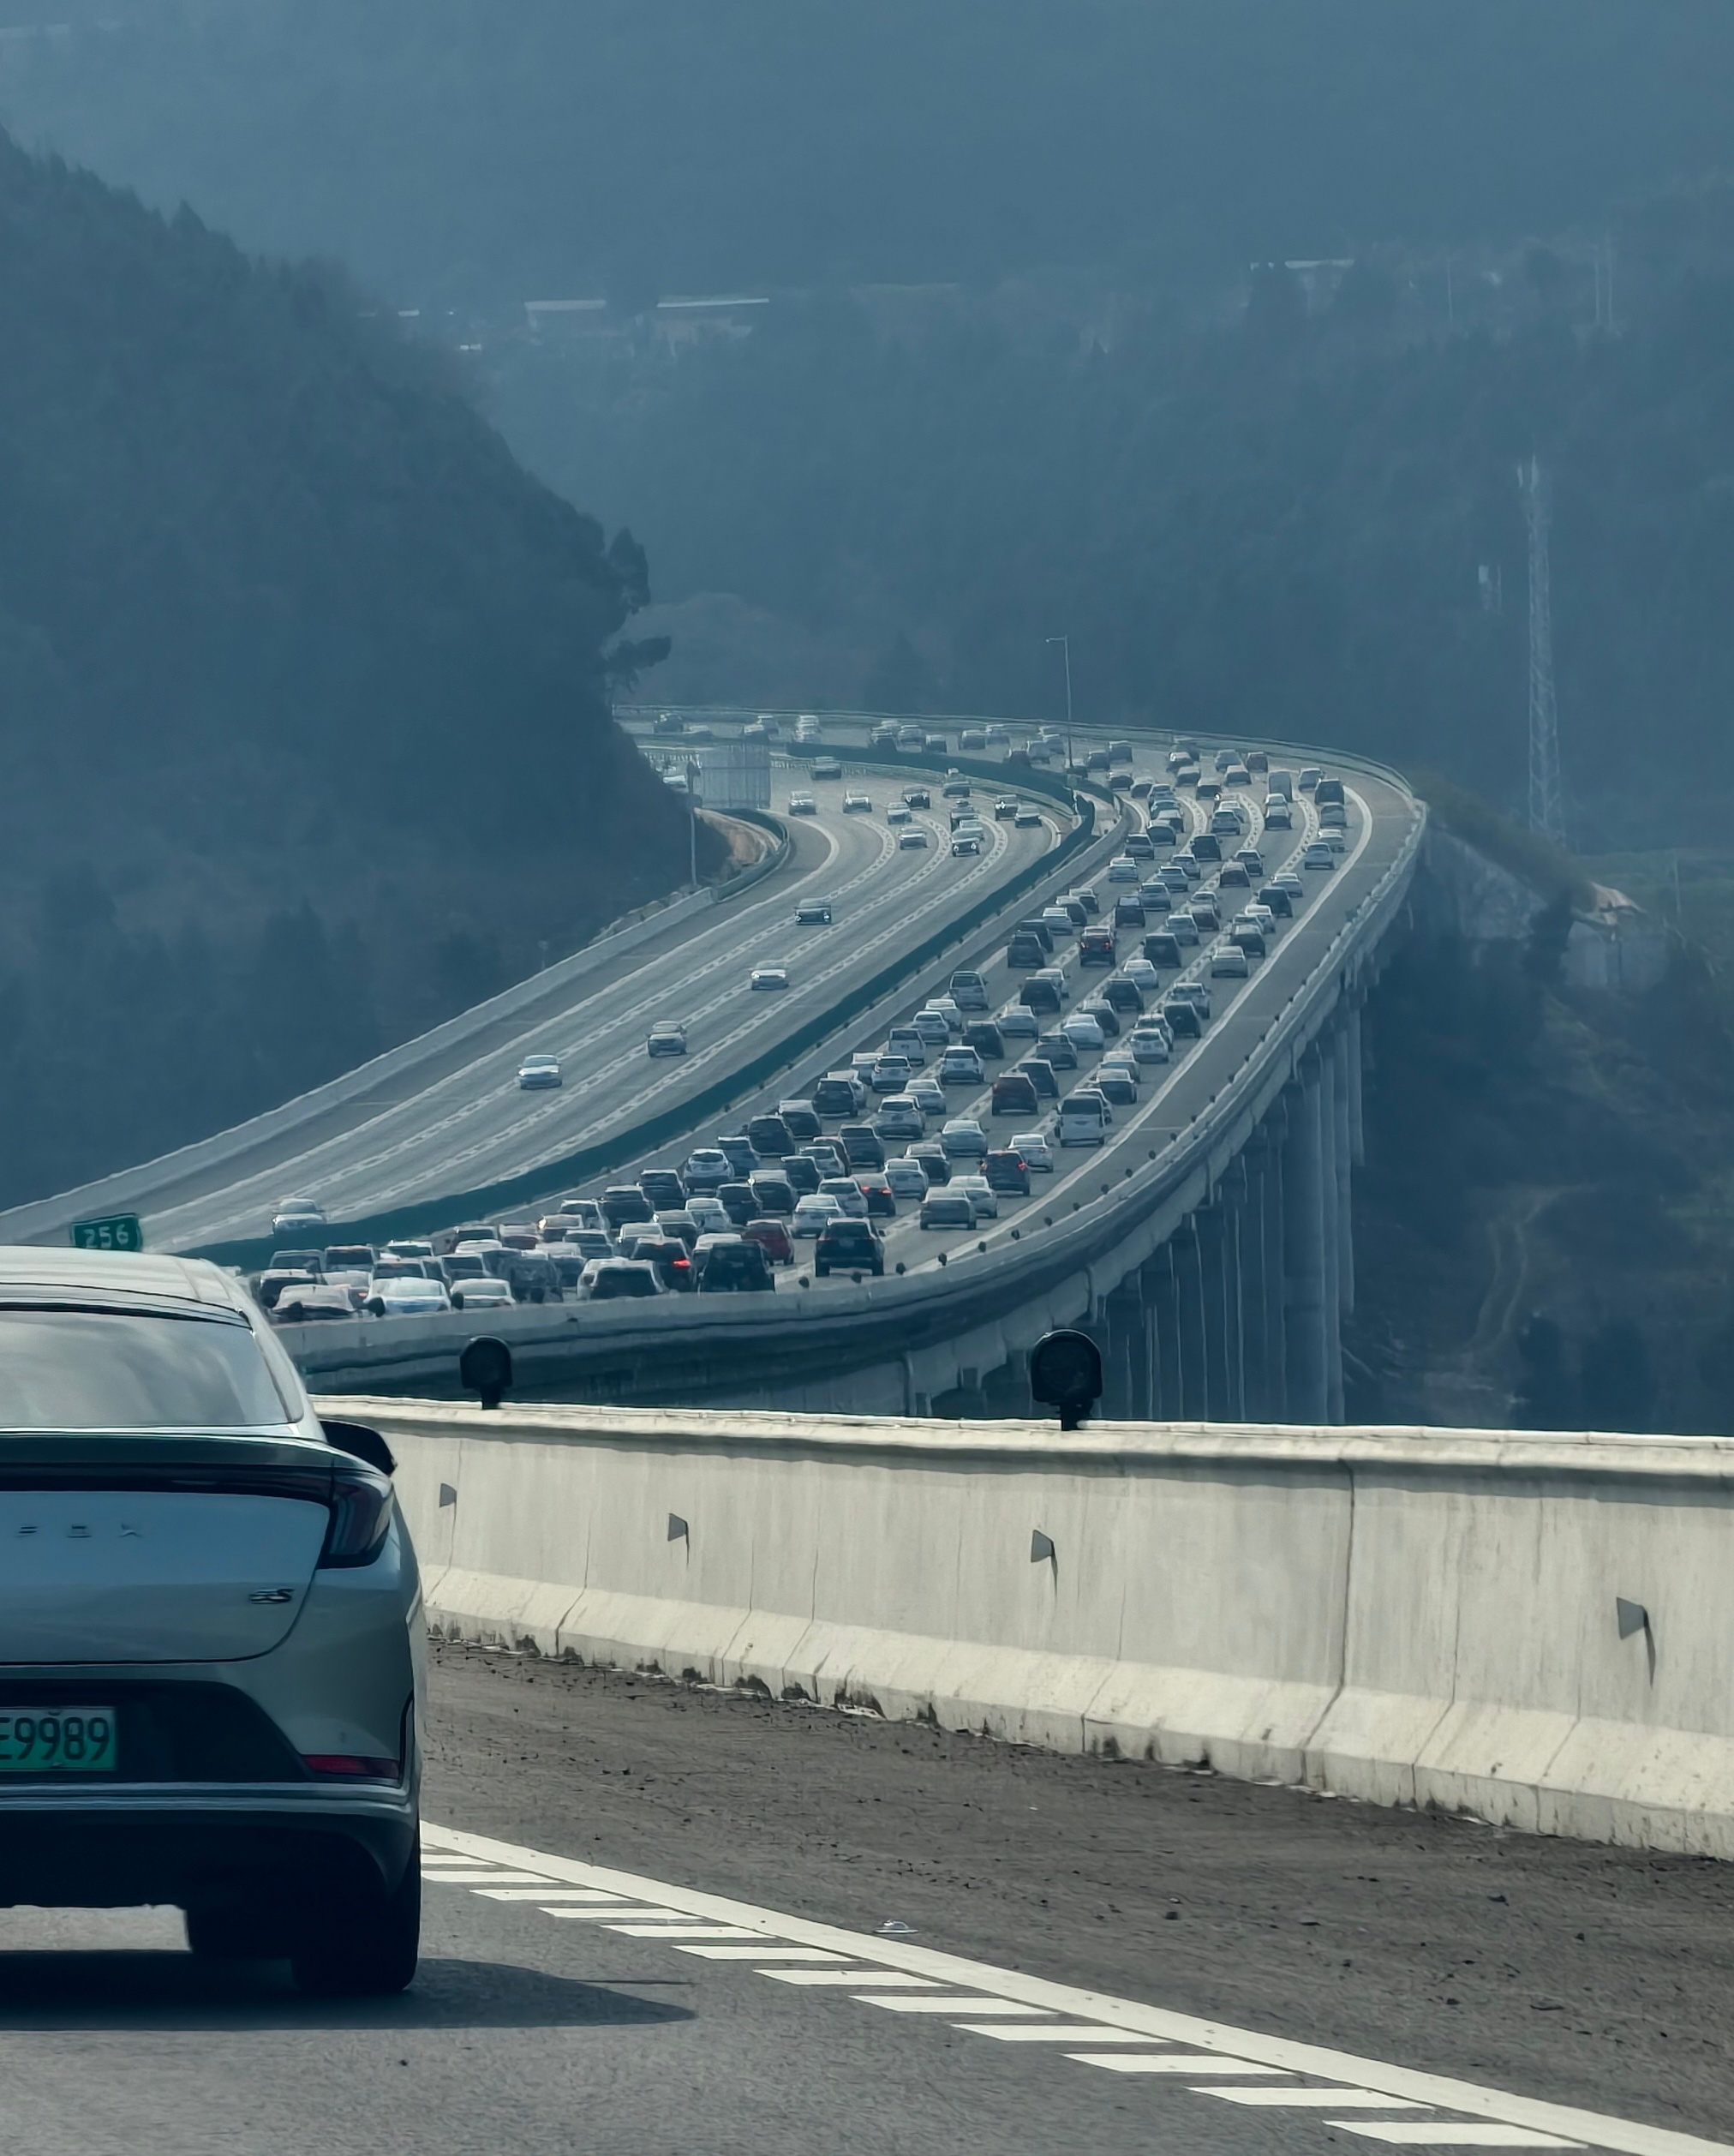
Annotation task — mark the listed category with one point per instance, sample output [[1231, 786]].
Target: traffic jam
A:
[[959, 1116]]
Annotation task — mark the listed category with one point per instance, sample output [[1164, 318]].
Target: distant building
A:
[[671, 322], [1318, 280], [684, 321], [568, 318]]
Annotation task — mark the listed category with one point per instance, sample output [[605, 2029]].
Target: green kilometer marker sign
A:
[[122, 1232]]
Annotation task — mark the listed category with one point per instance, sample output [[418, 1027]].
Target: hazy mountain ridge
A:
[[463, 154]]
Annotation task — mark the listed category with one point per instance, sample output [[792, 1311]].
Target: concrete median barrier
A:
[[1411, 1617]]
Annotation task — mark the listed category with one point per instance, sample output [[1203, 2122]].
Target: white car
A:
[[980, 1193], [213, 1632], [1318, 854], [1015, 1023], [536, 1073], [293, 1215], [846, 1194], [946, 1009], [485, 1293], [898, 1117], [704, 1168], [928, 1094], [406, 1297], [812, 1212], [771, 977], [803, 805], [1151, 1045], [1142, 973], [933, 1025], [1037, 1153], [619, 1279], [708, 1211], [858, 805], [964, 1139], [961, 1066], [1124, 869], [907, 1177], [1082, 1031]]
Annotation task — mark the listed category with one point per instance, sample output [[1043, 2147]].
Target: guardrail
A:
[[768, 862], [512, 1191], [1469, 1618], [888, 1321]]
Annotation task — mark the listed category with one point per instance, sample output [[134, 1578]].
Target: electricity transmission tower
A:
[[1546, 813]]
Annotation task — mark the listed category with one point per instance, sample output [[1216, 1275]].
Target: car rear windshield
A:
[[123, 1370]]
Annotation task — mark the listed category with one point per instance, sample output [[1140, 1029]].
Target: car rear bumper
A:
[[288, 1847]]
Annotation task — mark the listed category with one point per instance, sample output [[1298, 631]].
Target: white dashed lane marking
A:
[[1114, 2035], [1405, 2133], [1201, 2065]]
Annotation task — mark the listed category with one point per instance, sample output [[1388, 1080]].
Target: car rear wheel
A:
[[366, 1953]]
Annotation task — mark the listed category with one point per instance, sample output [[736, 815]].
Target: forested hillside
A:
[[302, 686], [1292, 523]]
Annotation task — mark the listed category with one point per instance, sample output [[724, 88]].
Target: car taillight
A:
[[354, 1764], [361, 1503]]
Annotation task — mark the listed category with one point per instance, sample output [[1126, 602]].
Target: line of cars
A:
[[968, 833], [734, 1213]]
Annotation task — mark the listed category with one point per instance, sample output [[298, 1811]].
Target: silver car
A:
[[211, 1660]]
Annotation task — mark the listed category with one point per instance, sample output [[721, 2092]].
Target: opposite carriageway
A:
[[444, 1114]]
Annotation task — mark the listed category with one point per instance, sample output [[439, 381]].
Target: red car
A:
[[773, 1238]]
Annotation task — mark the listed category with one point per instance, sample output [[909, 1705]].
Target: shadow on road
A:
[[175, 1991]]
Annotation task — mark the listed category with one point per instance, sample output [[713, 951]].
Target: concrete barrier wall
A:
[[1407, 1616]]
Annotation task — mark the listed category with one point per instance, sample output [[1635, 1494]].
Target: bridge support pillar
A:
[[1194, 1350], [1330, 1209], [1125, 1384], [1007, 1390], [1167, 1404], [1305, 1310], [1250, 1236], [1346, 1043], [1274, 1394], [1357, 1133], [1210, 1228]]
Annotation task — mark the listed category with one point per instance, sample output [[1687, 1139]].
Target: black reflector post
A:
[[485, 1368], [1065, 1373]]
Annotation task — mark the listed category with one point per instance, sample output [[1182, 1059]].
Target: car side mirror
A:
[[485, 1368], [1065, 1373], [362, 1443]]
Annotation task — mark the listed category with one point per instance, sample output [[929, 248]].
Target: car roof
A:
[[144, 1277]]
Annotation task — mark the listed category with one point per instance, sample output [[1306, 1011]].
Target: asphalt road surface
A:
[[1099, 1956]]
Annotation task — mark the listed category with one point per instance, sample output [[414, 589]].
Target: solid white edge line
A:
[[1626, 2136]]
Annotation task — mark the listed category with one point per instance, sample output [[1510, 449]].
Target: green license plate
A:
[[57, 1741]]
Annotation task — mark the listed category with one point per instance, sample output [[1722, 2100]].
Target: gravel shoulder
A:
[[1561, 1970]]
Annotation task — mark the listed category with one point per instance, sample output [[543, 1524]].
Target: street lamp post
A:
[[692, 819], [1065, 644]]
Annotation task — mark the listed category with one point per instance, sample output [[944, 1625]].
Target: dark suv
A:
[[733, 1267], [848, 1246]]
